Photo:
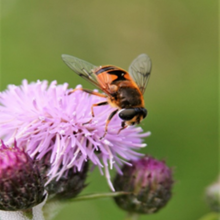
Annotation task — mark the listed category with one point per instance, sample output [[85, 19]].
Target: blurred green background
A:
[[181, 38]]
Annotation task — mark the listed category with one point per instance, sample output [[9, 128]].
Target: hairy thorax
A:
[[126, 96]]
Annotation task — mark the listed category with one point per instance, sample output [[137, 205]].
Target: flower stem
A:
[[37, 210], [99, 195], [132, 216]]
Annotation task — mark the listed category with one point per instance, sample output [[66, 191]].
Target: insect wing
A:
[[139, 70], [82, 68]]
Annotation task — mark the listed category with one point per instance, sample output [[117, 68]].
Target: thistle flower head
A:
[[45, 119], [21, 186], [149, 181], [69, 185]]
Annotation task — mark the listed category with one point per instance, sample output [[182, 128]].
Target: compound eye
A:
[[144, 112], [127, 114]]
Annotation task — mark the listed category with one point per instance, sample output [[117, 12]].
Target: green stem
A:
[[132, 216], [99, 195]]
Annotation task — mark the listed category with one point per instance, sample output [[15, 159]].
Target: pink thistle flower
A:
[[45, 119]]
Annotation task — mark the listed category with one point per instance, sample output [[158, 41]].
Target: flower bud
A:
[[213, 196], [70, 184], [21, 186], [149, 182]]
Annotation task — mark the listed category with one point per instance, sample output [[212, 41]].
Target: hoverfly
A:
[[123, 90]]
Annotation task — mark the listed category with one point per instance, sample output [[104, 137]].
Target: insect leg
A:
[[123, 126], [92, 112], [107, 122], [92, 93], [88, 91], [97, 104]]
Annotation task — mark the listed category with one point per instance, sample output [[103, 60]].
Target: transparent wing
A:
[[82, 68], [140, 69]]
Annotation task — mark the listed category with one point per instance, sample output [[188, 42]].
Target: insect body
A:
[[123, 90]]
